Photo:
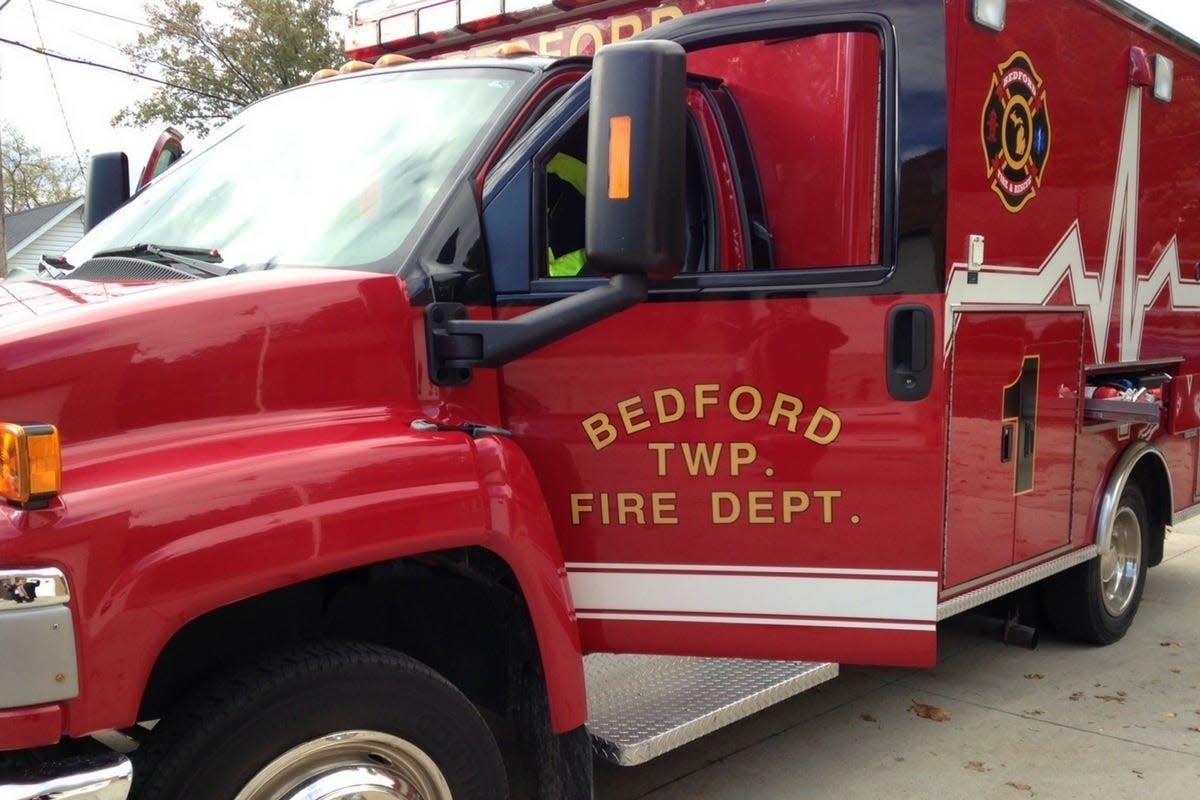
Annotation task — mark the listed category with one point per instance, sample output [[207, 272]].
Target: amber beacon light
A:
[[30, 464]]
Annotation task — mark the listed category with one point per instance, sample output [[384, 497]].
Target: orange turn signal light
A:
[[30, 464], [620, 147]]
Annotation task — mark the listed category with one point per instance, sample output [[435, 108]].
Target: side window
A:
[[563, 184], [811, 111]]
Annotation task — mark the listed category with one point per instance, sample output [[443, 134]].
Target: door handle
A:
[[910, 351]]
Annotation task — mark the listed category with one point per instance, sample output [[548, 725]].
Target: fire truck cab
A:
[[317, 446]]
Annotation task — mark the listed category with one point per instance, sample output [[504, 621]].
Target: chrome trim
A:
[[956, 605], [101, 777], [40, 663], [1116, 484], [1004, 572], [33, 588]]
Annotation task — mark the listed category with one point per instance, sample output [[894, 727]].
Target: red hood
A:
[[22, 301], [100, 359]]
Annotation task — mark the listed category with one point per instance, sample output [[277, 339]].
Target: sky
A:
[[66, 109]]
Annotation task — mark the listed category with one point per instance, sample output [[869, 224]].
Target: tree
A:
[[219, 68], [32, 178]]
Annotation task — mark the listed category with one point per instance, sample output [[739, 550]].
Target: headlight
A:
[[30, 464]]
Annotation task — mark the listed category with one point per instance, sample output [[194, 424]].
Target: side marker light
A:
[[989, 13], [620, 133], [30, 464], [1164, 78]]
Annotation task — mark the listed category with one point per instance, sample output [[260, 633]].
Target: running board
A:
[[643, 706]]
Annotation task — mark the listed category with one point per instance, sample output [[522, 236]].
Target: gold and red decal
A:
[[1015, 129]]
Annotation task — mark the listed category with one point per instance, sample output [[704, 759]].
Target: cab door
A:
[[168, 149], [751, 463]]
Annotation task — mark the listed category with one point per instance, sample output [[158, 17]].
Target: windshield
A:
[[334, 174]]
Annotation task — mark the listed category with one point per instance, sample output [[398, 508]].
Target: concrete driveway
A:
[[1061, 721]]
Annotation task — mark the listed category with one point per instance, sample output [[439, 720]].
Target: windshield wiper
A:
[[176, 255]]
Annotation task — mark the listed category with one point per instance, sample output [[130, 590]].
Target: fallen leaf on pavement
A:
[[1110, 698], [978, 766], [1076, 695], [1021, 787], [1035, 712], [1034, 676], [929, 712], [1169, 643], [867, 717]]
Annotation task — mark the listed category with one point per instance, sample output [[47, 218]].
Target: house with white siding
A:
[[47, 230]]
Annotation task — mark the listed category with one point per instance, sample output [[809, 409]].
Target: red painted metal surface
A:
[[993, 519], [1084, 178], [1108, 227], [225, 438], [811, 180], [797, 479], [33, 726], [722, 477]]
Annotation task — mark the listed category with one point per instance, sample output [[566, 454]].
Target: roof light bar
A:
[[437, 21], [374, 10], [399, 31], [380, 26]]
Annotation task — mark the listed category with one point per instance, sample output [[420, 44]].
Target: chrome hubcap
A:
[[350, 765], [1119, 564]]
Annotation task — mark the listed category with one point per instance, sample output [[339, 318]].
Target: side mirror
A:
[[107, 187], [636, 141]]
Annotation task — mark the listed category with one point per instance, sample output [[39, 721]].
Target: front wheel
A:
[[1096, 602], [333, 721]]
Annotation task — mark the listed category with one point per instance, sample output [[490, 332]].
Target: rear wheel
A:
[[1096, 602], [326, 722]]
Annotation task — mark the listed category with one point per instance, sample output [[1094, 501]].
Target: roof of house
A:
[[23, 224]]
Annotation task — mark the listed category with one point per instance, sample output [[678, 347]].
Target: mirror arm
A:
[[456, 345]]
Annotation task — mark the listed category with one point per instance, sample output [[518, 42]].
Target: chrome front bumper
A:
[[103, 777]]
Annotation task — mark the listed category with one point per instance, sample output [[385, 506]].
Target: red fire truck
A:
[[316, 479]]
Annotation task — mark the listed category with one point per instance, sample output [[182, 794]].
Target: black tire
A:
[[558, 766], [1096, 601], [282, 722]]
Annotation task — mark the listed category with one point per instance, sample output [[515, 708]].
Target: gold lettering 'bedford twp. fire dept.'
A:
[[709, 459]]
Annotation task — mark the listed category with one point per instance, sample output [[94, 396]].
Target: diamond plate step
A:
[[643, 706]]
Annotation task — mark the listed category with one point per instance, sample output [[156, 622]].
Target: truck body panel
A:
[[936, 316]]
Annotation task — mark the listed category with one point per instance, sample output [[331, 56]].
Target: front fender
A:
[[186, 524], [522, 534]]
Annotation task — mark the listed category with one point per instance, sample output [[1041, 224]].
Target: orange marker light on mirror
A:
[[30, 464], [620, 134]]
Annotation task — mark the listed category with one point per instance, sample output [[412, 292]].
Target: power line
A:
[[170, 67], [97, 12], [51, 54], [57, 94]]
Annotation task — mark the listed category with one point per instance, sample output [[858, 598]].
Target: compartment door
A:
[[1013, 420]]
